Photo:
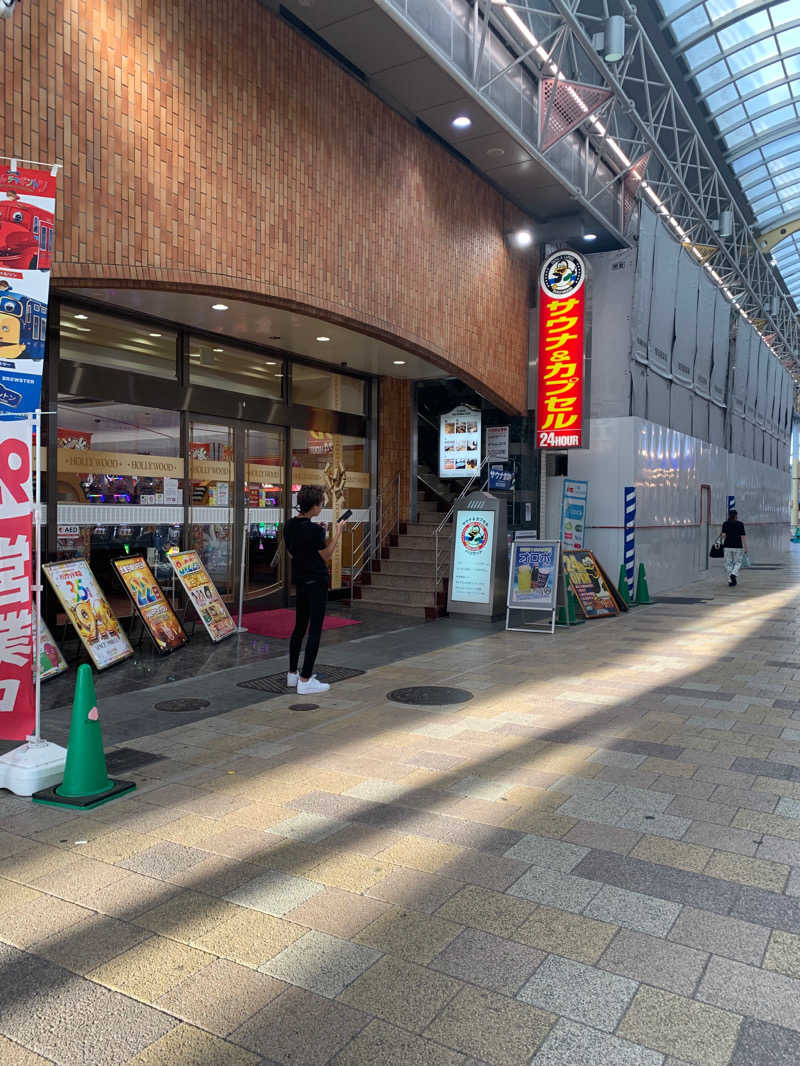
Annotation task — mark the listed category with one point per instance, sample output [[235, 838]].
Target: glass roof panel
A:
[[747, 71]]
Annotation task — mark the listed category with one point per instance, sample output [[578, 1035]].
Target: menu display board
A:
[[497, 442], [533, 577], [51, 661], [573, 513], [203, 594], [151, 605], [88, 611], [460, 443], [588, 584], [472, 556]]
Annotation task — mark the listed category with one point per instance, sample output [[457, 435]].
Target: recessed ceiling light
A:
[[523, 238], [590, 236], [218, 349], [83, 329], [219, 307], [323, 340], [194, 355], [153, 334], [461, 122], [272, 364], [279, 375], [495, 152], [82, 317], [399, 362]]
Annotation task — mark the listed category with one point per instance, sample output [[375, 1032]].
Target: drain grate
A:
[[123, 759], [182, 706], [429, 695], [275, 684]]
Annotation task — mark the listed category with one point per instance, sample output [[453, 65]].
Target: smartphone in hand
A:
[[343, 517]]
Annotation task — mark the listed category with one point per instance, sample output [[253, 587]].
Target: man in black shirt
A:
[[305, 542], [735, 541]]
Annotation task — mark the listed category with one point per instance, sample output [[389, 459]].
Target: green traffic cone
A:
[[86, 782], [562, 616], [624, 591], [642, 591], [574, 618]]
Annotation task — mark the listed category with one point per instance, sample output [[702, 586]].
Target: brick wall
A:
[[394, 440], [209, 146]]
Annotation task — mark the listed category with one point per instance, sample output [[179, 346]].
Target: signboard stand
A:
[[478, 558], [152, 612], [37, 763], [533, 582]]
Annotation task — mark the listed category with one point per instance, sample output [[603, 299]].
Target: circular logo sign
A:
[[562, 274], [474, 536]]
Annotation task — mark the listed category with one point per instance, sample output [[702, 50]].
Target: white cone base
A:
[[32, 767]]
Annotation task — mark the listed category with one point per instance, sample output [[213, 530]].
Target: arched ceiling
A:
[[744, 58]]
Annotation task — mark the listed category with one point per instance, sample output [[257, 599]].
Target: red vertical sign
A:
[[559, 405], [17, 702]]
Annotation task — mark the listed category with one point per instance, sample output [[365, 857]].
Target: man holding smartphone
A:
[[305, 542]]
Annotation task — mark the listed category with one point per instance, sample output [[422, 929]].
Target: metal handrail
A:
[[468, 488], [374, 534]]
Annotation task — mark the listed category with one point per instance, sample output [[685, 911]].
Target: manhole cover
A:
[[429, 695], [275, 684], [182, 705], [123, 759], [303, 706]]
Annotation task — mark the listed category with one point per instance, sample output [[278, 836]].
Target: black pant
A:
[[312, 599]]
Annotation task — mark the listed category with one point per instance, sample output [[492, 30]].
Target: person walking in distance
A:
[[305, 542], [735, 543]]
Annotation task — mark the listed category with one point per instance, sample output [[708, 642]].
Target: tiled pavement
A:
[[595, 862]]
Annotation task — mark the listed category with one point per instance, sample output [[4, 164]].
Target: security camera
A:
[[7, 8]]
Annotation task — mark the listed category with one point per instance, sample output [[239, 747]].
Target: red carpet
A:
[[280, 623]]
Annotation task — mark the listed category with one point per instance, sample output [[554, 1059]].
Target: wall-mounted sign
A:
[[203, 594], [460, 443], [588, 584], [559, 405], [51, 661], [88, 611], [573, 513], [500, 478], [471, 579], [158, 617], [497, 443]]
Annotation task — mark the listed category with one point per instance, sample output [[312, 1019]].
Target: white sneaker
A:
[[312, 685], [291, 680]]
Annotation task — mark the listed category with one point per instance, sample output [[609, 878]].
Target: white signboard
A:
[[471, 579], [460, 443], [497, 443]]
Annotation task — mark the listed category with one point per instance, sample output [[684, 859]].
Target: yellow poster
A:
[[148, 599], [88, 611], [203, 594]]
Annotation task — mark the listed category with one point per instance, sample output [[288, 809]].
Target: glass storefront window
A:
[[314, 387], [211, 477], [264, 509], [101, 340], [220, 365]]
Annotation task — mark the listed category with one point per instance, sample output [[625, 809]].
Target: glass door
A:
[[264, 511], [212, 504]]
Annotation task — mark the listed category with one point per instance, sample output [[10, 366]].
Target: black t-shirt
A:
[[734, 531], [304, 539]]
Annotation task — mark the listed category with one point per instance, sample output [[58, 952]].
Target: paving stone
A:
[[682, 1027], [419, 854], [579, 992], [542, 851], [602, 837], [767, 908], [776, 849], [384, 1043], [623, 759], [783, 954], [772, 997], [588, 809], [415, 889], [757, 872], [481, 908], [761, 1044], [90, 943], [648, 748], [720, 935], [573, 785], [764, 768], [274, 893], [665, 825], [491, 1027], [326, 1027], [410, 935], [745, 797], [576, 937], [643, 799], [702, 810], [401, 993], [645, 914], [487, 960], [570, 1044], [544, 885], [672, 853], [307, 828], [741, 841], [250, 937], [13, 1054], [192, 1046], [321, 963], [624, 872], [788, 807], [336, 912], [489, 871], [654, 961]]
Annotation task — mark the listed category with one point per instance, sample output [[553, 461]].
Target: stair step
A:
[[423, 540], [418, 556], [416, 582], [403, 597], [402, 568], [404, 610]]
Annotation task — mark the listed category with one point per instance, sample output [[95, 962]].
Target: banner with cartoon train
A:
[[88, 611], [27, 218]]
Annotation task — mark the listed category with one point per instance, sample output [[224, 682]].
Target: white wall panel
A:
[[662, 303], [740, 368], [762, 396], [719, 364], [638, 390], [643, 283], [657, 398], [704, 343], [611, 288], [772, 387], [680, 408], [685, 343], [753, 376], [716, 425], [700, 417]]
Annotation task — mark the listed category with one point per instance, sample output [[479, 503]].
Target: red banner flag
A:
[[559, 405], [17, 701]]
